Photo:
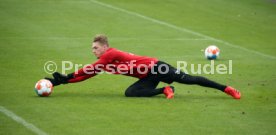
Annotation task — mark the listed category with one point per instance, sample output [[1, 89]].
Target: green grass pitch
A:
[[33, 32]]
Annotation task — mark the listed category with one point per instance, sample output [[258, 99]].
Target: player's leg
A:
[[202, 81], [143, 88], [146, 87], [174, 75], [199, 80]]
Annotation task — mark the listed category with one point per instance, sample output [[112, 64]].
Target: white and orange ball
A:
[[212, 52], [43, 88]]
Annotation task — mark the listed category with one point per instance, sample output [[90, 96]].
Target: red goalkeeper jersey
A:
[[116, 62]]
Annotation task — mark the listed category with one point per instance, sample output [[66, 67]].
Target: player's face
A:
[[98, 49]]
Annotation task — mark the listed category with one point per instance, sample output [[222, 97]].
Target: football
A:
[[43, 88], [212, 52]]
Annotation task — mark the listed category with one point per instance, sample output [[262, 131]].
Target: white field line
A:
[[159, 39], [21, 121], [112, 38], [181, 29]]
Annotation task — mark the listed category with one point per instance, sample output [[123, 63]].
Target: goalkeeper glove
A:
[[60, 78]]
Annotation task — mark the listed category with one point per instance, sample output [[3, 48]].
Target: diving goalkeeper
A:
[[149, 71]]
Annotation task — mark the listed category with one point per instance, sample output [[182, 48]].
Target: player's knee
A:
[[129, 93]]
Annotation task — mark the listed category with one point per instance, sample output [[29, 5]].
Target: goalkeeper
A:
[[149, 71]]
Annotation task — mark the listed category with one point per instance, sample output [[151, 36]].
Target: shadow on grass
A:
[[200, 98], [120, 96]]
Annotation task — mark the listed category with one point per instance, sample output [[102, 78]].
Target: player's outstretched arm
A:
[[78, 76]]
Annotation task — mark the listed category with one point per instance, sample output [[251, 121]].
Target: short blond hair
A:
[[102, 39]]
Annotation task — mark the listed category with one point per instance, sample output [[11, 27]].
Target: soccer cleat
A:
[[169, 92], [233, 92]]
